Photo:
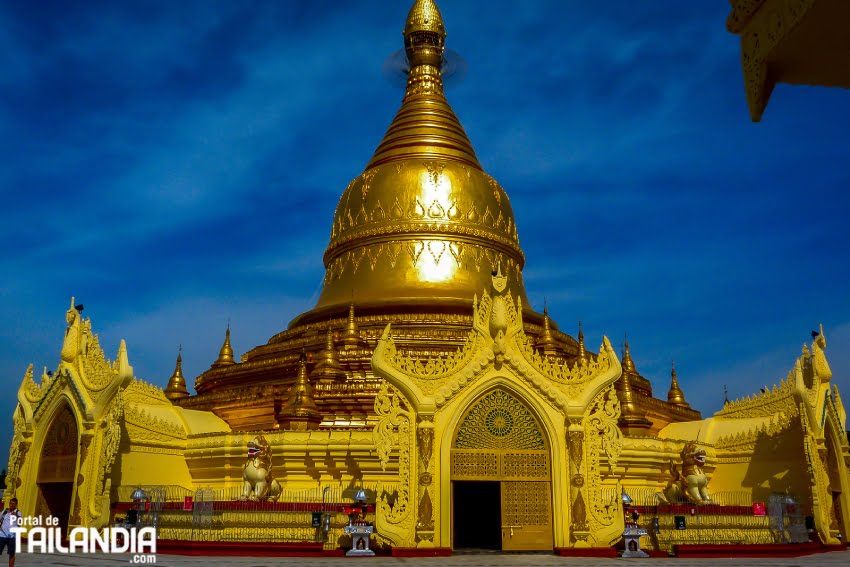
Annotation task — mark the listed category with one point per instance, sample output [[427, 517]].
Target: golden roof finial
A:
[[628, 363], [425, 36], [547, 342], [328, 368], [425, 126], [225, 355], [676, 396], [582, 353], [424, 16], [300, 411], [351, 336], [176, 387]]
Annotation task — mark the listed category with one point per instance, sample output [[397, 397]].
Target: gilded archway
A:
[[57, 466], [500, 441]]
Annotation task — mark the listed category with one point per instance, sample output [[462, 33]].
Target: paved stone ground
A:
[[837, 558]]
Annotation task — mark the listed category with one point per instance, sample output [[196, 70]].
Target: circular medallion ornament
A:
[[425, 479], [499, 422], [577, 480]]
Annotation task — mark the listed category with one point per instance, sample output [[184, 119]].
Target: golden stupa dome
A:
[[423, 220]]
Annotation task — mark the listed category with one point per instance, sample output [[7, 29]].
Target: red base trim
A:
[[421, 552], [753, 550], [586, 551], [244, 548]]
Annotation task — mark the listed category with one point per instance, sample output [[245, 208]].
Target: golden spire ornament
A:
[[675, 395], [328, 368], [547, 343], [176, 387], [632, 419], [300, 411], [582, 352], [628, 363], [225, 355], [351, 336]]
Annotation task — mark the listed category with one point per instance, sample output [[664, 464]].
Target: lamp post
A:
[[631, 531]]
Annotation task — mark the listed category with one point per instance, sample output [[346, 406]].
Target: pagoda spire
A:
[[582, 352], [632, 417], [547, 343], [300, 411], [176, 388], [628, 363], [225, 355], [328, 368], [351, 336], [425, 126], [675, 395]]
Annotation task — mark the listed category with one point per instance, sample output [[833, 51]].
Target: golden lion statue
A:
[[257, 472], [691, 482]]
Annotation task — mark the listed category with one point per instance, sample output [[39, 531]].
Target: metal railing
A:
[[313, 515]]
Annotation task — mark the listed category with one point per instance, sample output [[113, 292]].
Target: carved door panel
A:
[[526, 516]]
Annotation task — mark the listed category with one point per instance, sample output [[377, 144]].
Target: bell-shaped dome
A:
[[423, 221]]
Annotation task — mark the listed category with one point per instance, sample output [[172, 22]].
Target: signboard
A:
[[759, 509], [680, 522], [317, 520], [187, 503]]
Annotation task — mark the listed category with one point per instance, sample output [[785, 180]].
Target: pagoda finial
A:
[[675, 395], [547, 343], [632, 417], [582, 353], [225, 355], [328, 368], [628, 363], [351, 336], [424, 34], [176, 387], [300, 411]]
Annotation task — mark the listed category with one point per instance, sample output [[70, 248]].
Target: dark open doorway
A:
[[57, 497], [477, 509]]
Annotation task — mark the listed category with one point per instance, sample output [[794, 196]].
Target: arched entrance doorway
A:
[[501, 478], [57, 467]]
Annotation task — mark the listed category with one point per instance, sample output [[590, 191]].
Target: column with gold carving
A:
[[580, 529], [425, 519]]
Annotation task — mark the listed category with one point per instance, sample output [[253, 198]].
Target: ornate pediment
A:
[[497, 343]]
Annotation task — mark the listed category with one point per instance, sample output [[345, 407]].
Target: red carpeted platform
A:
[[586, 551], [421, 552], [753, 550], [244, 548]]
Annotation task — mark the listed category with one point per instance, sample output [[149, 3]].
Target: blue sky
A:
[[176, 164]]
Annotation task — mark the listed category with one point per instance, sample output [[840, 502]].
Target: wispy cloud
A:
[[176, 164]]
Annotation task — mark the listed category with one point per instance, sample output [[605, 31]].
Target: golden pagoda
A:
[[424, 375]]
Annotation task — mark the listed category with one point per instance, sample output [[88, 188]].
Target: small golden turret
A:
[[546, 343], [225, 355], [675, 395], [582, 352], [328, 369], [176, 387], [300, 411], [628, 363], [632, 419], [351, 336]]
